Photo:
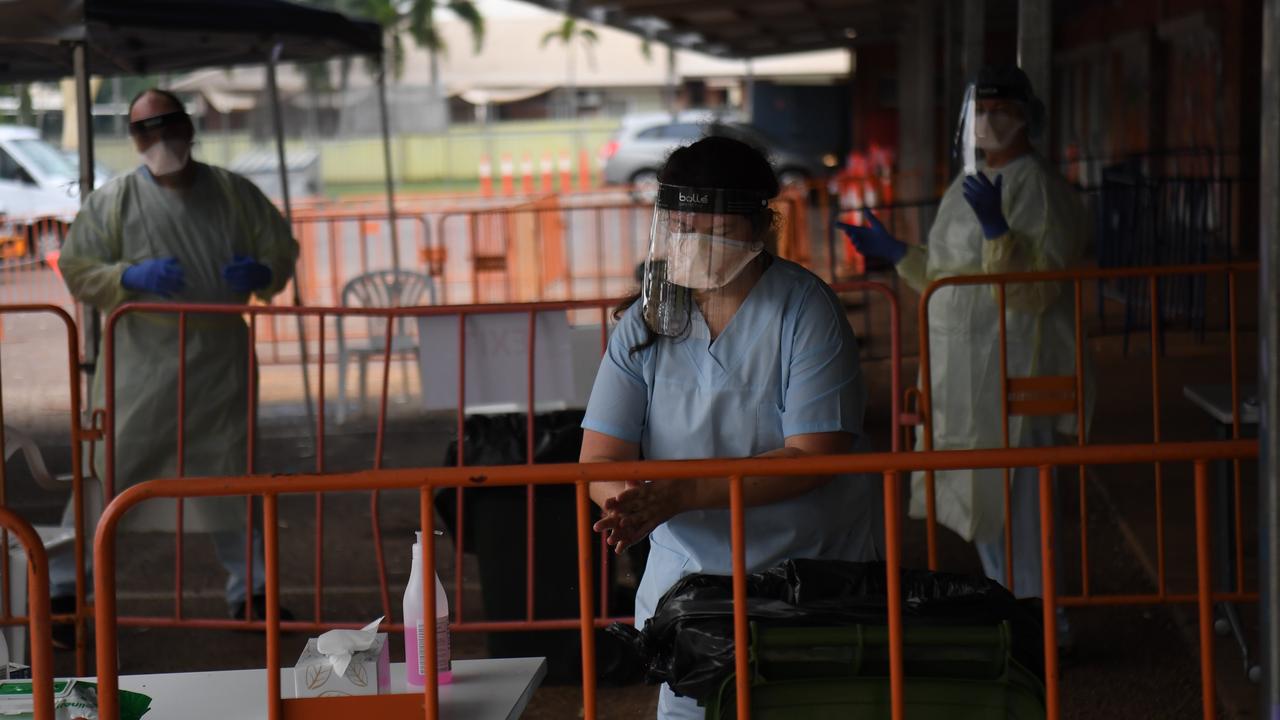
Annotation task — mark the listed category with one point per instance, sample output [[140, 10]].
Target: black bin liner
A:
[[688, 643], [495, 530]]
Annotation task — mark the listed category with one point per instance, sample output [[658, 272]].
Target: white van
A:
[[39, 187]]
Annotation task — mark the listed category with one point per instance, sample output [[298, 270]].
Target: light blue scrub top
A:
[[787, 364]]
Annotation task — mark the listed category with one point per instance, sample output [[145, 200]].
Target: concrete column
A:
[[917, 111], [1035, 52], [1269, 352], [973, 38]]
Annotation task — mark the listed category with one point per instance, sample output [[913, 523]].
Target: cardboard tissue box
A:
[[344, 662]]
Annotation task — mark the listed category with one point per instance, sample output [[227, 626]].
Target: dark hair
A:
[[715, 162], [157, 91]]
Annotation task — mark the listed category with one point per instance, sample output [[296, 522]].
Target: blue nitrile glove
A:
[[874, 241], [158, 276], [984, 198], [244, 274]]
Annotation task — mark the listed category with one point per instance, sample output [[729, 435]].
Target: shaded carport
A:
[[746, 29]]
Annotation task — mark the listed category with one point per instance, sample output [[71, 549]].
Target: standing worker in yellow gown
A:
[[178, 230], [1010, 212]]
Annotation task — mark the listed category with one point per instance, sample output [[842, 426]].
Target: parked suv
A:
[[643, 143], [38, 182]]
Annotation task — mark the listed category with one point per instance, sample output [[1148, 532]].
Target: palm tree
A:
[[422, 28], [416, 16], [572, 33]]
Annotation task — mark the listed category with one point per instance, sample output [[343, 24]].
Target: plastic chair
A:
[[59, 540], [378, 289]]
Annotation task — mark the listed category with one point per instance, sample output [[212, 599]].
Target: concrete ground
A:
[[1127, 662]]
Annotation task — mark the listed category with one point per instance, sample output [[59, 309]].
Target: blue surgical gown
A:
[[786, 364]]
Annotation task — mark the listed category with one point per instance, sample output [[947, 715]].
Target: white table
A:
[[497, 689]]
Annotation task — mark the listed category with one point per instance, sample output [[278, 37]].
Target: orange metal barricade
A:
[[37, 619], [339, 246], [426, 480], [557, 248], [546, 250], [76, 437], [336, 246], [1066, 395], [258, 316], [28, 281]]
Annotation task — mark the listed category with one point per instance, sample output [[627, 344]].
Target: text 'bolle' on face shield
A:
[[701, 239]]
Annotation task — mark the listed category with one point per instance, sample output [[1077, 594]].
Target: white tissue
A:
[[339, 645]]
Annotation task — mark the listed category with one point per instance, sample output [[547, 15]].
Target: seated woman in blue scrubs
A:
[[729, 352]]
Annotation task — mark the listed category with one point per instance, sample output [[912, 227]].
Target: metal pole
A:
[[386, 160], [84, 130], [278, 121], [671, 82], [1268, 354]]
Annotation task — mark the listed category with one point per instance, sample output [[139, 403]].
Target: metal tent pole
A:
[[92, 326], [386, 160], [278, 120]]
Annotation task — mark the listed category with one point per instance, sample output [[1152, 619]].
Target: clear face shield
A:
[[700, 241], [989, 121]]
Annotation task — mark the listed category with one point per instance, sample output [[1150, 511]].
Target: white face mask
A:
[[995, 131], [166, 157], [705, 262]]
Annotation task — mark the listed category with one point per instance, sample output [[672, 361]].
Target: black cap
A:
[[1003, 82]]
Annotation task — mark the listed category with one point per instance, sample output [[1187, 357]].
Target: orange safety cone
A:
[[508, 182], [486, 176], [526, 175], [51, 259], [584, 170], [546, 168], [566, 173]]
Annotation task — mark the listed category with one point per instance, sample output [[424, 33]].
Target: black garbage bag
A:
[[688, 643], [495, 531]]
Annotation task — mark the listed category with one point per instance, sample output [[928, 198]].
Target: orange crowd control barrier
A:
[[37, 619], [338, 246], [76, 438], [556, 248], [1065, 395], [29, 245], [426, 480], [323, 319]]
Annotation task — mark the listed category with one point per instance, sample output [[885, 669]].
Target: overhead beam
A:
[[761, 29]]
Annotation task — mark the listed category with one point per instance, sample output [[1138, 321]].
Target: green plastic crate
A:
[[816, 673]]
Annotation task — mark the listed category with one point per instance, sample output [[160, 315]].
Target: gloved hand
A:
[[244, 274], [984, 198], [158, 276], [874, 241]]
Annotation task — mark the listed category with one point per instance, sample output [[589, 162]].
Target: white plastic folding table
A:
[[494, 689]]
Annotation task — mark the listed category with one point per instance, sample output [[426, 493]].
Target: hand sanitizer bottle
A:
[[414, 627]]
